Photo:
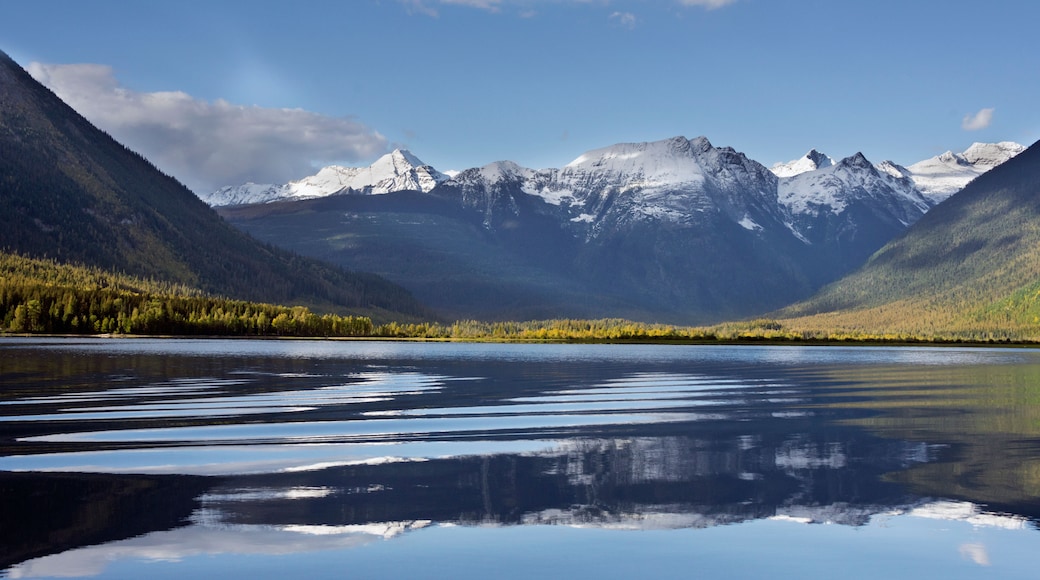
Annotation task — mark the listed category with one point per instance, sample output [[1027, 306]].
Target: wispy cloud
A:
[[626, 19], [709, 4], [979, 120], [484, 4], [210, 144], [429, 7]]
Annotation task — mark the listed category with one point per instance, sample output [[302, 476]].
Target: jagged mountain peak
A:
[[811, 161], [405, 157], [818, 158], [858, 161], [854, 178]]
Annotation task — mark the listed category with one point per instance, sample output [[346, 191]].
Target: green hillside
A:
[[43, 296], [970, 268], [70, 192]]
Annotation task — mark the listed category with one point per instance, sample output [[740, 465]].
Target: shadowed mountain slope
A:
[[70, 192]]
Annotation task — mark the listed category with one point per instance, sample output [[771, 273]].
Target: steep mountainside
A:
[[70, 192], [970, 267]]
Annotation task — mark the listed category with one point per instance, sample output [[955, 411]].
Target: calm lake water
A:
[[130, 458]]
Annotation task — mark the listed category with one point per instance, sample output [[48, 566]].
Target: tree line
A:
[[42, 296]]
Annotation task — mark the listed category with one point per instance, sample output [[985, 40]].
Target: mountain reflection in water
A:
[[167, 450]]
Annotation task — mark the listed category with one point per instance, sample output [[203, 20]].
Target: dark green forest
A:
[[42, 296]]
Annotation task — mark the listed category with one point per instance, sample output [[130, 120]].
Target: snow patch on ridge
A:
[[944, 175]]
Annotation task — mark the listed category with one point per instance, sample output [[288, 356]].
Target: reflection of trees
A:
[[48, 513], [986, 417]]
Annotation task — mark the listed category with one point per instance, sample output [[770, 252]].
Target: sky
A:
[[226, 92]]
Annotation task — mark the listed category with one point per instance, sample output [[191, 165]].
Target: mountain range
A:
[[70, 192], [936, 178], [677, 230]]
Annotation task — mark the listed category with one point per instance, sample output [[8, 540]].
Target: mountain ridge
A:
[[936, 178]]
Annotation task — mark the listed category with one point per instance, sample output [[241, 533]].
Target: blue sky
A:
[[219, 93]]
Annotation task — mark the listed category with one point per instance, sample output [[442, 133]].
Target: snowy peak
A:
[[493, 174], [398, 170], [991, 154], [832, 189], [654, 164], [811, 161], [946, 174], [855, 162], [894, 169]]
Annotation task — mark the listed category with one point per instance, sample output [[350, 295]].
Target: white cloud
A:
[[423, 6], [709, 4], [979, 120], [428, 7], [624, 18], [485, 4], [210, 144]]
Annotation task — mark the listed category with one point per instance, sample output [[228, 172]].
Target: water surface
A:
[[125, 457]]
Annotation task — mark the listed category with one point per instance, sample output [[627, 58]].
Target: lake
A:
[[164, 458]]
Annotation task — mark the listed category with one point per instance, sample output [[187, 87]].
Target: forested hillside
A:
[[70, 192], [969, 268], [43, 296]]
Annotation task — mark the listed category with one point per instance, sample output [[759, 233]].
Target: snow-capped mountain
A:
[[833, 188], [811, 161], [675, 180], [395, 171], [936, 178], [944, 175]]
